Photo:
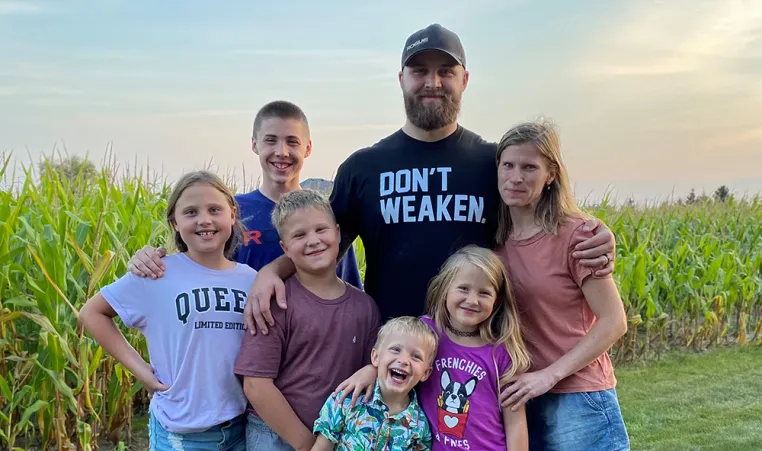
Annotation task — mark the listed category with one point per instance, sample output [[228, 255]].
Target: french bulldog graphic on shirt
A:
[[452, 414]]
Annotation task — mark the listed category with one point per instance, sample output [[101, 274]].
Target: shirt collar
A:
[[411, 413]]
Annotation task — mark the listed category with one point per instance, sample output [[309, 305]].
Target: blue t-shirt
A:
[[192, 319], [261, 243]]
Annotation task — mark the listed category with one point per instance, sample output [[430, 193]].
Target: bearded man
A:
[[417, 195]]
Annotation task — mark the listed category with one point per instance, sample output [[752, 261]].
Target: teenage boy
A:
[[281, 141]]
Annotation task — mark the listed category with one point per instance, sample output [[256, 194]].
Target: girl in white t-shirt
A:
[[191, 319]]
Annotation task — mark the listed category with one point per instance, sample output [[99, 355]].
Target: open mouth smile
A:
[[398, 376]]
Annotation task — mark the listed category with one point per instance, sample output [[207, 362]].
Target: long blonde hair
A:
[[557, 203], [502, 327]]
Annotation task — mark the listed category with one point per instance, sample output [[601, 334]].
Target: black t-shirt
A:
[[413, 204]]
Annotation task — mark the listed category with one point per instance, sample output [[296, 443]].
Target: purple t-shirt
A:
[[460, 398]]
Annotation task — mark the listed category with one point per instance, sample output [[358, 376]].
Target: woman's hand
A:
[[524, 387]]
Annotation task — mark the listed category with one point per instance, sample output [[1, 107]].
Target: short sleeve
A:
[[578, 272], [127, 297], [260, 354], [343, 200], [330, 421], [374, 327], [503, 360]]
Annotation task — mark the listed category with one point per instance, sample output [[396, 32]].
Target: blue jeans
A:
[[259, 436], [587, 421], [227, 436]]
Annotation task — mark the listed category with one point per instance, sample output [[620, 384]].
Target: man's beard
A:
[[435, 116]]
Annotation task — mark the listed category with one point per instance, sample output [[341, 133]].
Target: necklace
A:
[[460, 333]]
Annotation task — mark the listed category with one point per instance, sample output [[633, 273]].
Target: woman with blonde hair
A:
[[569, 316]]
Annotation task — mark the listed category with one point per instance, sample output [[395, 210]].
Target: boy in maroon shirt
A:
[[324, 336]]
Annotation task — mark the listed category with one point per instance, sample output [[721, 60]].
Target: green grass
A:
[[690, 401]]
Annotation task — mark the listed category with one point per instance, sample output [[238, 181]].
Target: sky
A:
[[652, 98]]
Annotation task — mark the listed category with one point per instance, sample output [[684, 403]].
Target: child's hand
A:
[[364, 380], [154, 386], [147, 262], [147, 376]]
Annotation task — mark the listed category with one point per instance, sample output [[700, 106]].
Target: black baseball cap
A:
[[434, 37]]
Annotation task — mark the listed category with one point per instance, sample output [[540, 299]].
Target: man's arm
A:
[[273, 408], [344, 205]]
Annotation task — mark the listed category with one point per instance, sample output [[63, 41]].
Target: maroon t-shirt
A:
[[314, 345]]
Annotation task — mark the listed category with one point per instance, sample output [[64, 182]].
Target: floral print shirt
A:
[[368, 426]]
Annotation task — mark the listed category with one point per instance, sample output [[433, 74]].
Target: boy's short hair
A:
[[299, 200], [281, 109], [410, 325]]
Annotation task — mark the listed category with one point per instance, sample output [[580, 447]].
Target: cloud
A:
[[356, 127], [678, 37], [7, 91], [45, 90], [207, 113], [17, 7], [29, 70], [377, 80], [116, 55], [79, 103], [344, 56]]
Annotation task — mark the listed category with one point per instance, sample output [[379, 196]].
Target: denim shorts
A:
[[585, 421], [259, 436], [227, 436]]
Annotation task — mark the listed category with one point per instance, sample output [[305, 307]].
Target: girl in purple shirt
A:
[[471, 308]]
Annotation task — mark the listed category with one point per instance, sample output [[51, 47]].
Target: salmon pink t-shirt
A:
[[554, 313]]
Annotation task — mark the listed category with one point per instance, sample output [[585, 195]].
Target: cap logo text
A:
[[417, 43]]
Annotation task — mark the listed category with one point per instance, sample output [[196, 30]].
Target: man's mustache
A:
[[432, 93]]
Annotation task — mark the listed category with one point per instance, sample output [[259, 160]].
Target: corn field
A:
[[690, 276]]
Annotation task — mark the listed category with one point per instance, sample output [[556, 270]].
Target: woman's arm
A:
[[97, 317], [516, 434], [603, 298]]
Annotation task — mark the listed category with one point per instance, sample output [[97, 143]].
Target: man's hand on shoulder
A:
[[599, 251]]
